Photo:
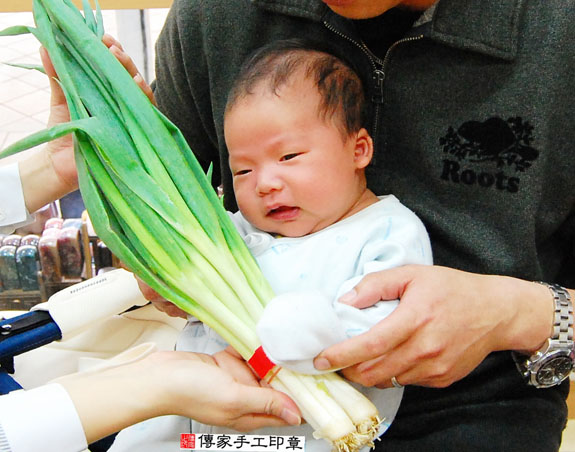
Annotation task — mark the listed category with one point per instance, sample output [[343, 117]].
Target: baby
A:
[[298, 153]]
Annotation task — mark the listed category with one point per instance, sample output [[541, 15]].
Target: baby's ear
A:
[[363, 151]]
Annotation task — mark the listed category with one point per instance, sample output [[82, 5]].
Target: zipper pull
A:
[[378, 78]]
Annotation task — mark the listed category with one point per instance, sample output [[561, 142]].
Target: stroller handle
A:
[[76, 308]]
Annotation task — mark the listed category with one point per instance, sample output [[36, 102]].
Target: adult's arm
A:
[[37, 177], [41, 176], [447, 322], [81, 408], [50, 172]]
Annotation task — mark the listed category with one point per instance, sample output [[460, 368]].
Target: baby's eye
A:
[[289, 156], [242, 172]]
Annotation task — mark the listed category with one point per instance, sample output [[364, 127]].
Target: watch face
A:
[[554, 371]]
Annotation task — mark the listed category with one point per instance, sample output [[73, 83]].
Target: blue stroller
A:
[[112, 298]]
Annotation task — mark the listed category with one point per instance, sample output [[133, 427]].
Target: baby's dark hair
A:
[[274, 65]]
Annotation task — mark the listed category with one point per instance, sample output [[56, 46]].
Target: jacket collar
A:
[[493, 29], [486, 26]]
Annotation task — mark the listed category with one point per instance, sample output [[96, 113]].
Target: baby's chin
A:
[[291, 229], [289, 232]]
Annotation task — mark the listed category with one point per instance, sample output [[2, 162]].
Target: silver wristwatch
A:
[[553, 362]]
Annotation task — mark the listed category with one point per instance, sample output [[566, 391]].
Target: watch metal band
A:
[[563, 323], [552, 363]]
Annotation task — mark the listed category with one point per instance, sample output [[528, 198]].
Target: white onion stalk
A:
[[335, 410], [152, 204], [364, 415]]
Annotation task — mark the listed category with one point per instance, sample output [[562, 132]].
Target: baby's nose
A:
[[268, 182]]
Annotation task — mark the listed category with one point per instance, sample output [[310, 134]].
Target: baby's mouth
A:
[[283, 213]]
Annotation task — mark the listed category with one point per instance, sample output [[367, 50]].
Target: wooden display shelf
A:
[[26, 5], [19, 300]]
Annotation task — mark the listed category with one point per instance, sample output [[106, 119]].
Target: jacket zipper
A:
[[378, 66], [379, 74]]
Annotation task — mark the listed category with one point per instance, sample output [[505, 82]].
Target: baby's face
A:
[[293, 171]]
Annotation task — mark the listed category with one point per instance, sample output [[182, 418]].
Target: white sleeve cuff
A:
[[42, 417], [13, 213]]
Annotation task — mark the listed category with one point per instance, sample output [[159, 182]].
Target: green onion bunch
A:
[[152, 204]]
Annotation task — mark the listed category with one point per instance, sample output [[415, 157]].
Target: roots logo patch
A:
[[488, 154]]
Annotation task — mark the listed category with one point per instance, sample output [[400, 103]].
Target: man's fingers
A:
[[379, 340], [374, 287], [379, 371]]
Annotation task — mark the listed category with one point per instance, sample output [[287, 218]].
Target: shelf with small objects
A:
[[56, 251]]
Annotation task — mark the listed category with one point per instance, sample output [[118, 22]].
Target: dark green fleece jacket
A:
[[472, 115]]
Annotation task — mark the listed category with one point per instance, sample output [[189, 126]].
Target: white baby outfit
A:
[[308, 274]]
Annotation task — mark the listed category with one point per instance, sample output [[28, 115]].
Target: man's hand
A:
[[446, 323]]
